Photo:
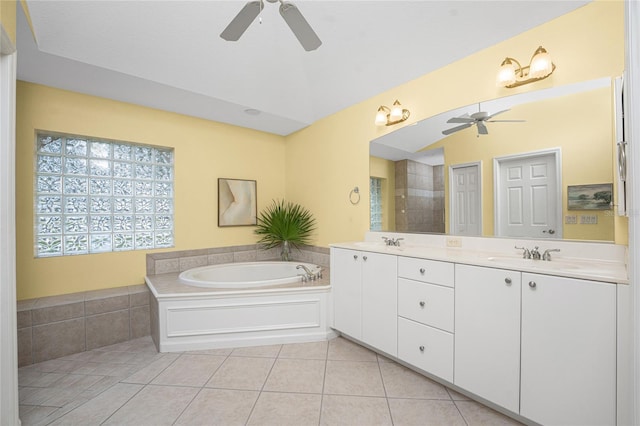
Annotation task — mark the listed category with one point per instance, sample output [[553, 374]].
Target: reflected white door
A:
[[528, 196], [465, 200]]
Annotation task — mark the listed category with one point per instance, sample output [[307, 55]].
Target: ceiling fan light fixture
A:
[[389, 116], [540, 67]]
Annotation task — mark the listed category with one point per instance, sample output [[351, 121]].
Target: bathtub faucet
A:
[[308, 274]]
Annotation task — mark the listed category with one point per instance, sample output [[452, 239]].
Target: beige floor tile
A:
[[338, 410], [219, 407], [310, 350], [296, 375], [456, 396], [243, 373], [270, 351], [282, 409], [101, 407], [189, 370], [35, 415], [353, 378], [341, 349], [146, 374], [382, 358], [477, 414], [154, 405], [424, 412], [401, 382], [219, 352]]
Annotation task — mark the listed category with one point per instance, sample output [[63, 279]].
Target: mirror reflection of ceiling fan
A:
[[479, 119], [289, 12]]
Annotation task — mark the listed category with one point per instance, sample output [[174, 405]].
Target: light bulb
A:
[[506, 74], [541, 65], [381, 117], [396, 112]]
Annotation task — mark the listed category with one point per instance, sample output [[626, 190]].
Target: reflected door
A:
[[465, 199], [528, 202]]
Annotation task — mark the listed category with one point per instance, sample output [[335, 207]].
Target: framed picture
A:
[[590, 197], [237, 204]]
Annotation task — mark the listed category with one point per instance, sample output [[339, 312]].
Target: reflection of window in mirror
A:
[[375, 186]]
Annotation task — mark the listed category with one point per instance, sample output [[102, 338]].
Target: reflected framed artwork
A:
[[590, 197], [237, 204]]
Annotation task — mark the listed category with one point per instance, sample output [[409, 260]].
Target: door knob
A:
[[507, 280], [364, 258], [421, 348], [550, 231], [532, 284], [355, 257], [422, 303], [422, 271]]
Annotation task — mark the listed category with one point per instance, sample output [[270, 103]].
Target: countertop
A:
[[588, 269]]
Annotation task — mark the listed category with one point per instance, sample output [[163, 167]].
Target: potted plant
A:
[[286, 224]]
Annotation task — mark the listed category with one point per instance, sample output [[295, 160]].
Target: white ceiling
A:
[[168, 54]]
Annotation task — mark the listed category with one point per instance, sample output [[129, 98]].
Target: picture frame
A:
[[590, 197], [237, 202]]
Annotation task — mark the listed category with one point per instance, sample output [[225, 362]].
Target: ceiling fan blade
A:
[[495, 113], [506, 121], [462, 119], [482, 129], [241, 22], [455, 129], [300, 27]]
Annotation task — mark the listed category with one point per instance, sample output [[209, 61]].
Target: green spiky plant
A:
[[283, 224]]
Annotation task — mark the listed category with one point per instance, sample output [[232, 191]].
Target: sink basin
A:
[[375, 245], [549, 266]]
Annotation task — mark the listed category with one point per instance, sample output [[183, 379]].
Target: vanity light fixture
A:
[[389, 116], [540, 67]]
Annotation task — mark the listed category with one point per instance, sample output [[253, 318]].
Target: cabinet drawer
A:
[[431, 271], [427, 348], [426, 303]]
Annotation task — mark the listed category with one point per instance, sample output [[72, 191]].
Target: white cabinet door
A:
[[568, 351], [487, 334], [346, 283], [379, 301]]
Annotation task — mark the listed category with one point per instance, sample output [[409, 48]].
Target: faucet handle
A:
[[526, 254]]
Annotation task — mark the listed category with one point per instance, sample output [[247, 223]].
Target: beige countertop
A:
[[571, 267]]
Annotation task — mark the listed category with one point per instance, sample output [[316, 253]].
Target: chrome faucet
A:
[[547, 254], [310, 276], [535, 254], [526, 254], [392, 241]]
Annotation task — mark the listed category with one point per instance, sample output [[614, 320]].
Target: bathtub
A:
[[239, 304], [247, 274]]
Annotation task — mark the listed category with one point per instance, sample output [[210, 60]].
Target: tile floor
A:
[[323, 383]]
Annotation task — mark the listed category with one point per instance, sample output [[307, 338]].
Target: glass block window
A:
[[375, 185], [95, 196]]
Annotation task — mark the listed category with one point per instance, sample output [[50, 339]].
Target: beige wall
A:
[[204, 152], [327, 159], [8, 18], [316, 167]]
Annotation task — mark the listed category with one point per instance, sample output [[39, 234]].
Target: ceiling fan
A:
[[479, 119], [289, 12]]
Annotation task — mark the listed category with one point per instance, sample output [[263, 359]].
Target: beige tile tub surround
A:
[[57, 326], [179, 261]]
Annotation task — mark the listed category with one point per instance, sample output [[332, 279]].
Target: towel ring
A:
[[354, 196]]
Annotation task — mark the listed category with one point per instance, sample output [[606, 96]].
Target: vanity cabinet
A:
[[365, 297], [487, 334], [568, 351], [425, 315]]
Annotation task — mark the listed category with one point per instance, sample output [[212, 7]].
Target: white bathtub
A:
[[239, 304], [246, 274]]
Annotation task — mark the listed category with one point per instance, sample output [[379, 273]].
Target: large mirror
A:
[[424, 181]]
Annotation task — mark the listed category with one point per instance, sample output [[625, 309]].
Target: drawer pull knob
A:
[[364, 258], [422, 271], [507, 280], [422, 303], [355, 257], [421, 348], [532, 284]]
